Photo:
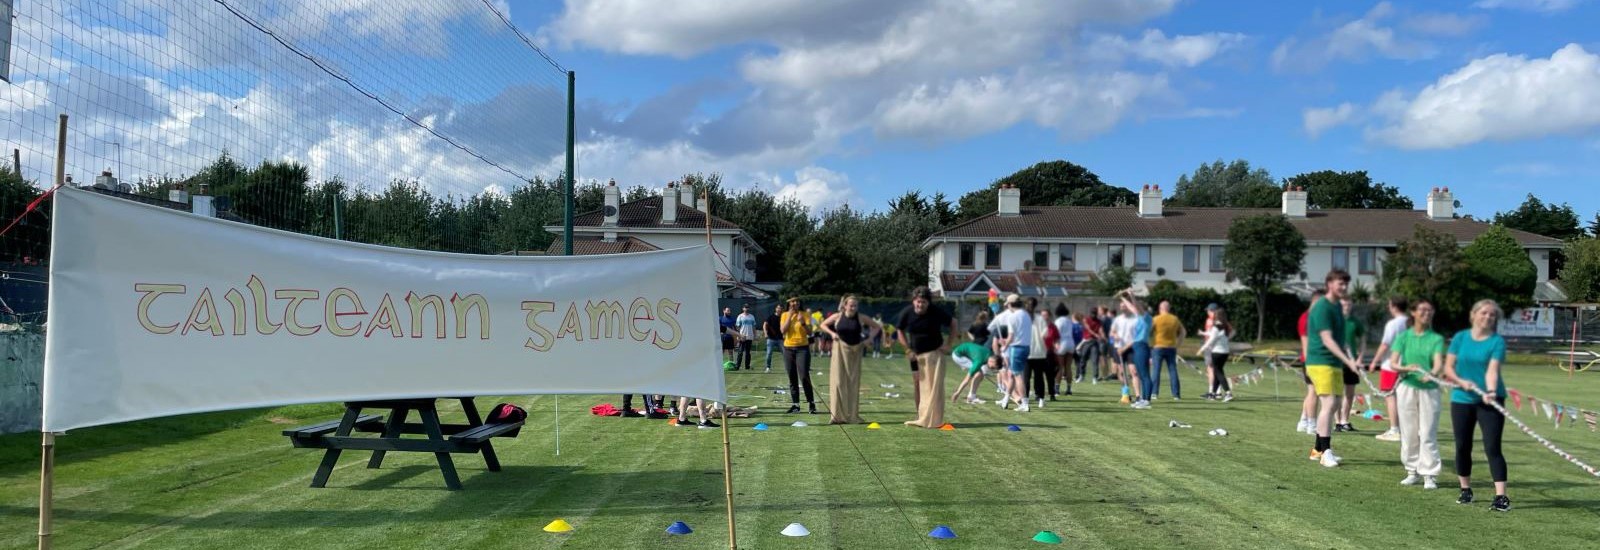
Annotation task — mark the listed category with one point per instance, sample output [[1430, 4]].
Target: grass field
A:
[[1100, 474]]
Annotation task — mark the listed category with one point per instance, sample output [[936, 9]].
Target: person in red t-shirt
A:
[[1308, 408]]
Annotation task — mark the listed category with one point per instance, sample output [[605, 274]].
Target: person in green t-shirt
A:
[[1325, 360], [1355, 346], [976, 358], [1418, 355]]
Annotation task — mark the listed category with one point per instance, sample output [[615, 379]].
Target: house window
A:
[[1368, 260], [967, 250], [1191, 258], [1114, 255], [1041, 256], [991, 256], [1216, 259], [1141, 257], [1069, 257], [1341, 258]]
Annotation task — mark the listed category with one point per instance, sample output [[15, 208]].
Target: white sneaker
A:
[[1300, 427], [976, 401], [1094, 381], [1428, 483], [1226, 397], [1005, 401], [1390, 435], [1330, 460], [1023, 407], [1041, 403], [1411, 479], [1310, 428]]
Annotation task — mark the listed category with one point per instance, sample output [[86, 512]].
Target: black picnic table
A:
[[473, 437]]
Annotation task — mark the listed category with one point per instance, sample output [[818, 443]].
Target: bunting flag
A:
[[1588, 418], [1549, 411], [1516, 399], [1560, 412], [1534, 403]]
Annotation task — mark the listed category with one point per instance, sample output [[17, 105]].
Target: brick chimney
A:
[[669, 204], [1150, 201], [1441, 204], [1010, 201], [612, 209], [1294, 202]]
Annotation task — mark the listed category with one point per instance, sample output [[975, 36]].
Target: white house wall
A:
[[1093, 257]]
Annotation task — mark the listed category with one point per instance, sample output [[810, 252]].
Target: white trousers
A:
[[1419, 429]]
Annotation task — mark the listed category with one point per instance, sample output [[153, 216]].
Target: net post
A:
[[572, 86], [47, 472]]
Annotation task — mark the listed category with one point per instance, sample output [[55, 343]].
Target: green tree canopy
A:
[[1263, 251], [1500, 269], [1428, 265], [1330, 189], [1539, 218], [1052, 183], [1580, 277], [1232, 184]]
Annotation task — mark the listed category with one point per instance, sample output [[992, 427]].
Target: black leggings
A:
[[1043, 374], [798, 362], [1464, 418], [1215, 362]]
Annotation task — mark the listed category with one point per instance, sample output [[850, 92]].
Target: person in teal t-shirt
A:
[[1418, 355], [975, 358], [1474, 364]]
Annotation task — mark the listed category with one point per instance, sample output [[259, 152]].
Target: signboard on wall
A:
[[1533, 322]]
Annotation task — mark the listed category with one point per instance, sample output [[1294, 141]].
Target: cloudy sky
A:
[[834, 101]]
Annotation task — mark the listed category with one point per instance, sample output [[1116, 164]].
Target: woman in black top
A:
[[922, 329], [850, 329], [774, 329], [979, 331]]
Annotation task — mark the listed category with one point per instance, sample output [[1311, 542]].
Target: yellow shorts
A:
[[1325, 379]]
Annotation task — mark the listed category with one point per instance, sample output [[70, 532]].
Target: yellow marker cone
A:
[[872, 426], [558, 526]]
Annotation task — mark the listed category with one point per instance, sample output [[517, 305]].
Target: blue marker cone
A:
[[1013, 428], [942, 532], [762, 426], [679, 528]]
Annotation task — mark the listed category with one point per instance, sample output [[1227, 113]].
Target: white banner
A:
[[155, 313], [1529, 322]]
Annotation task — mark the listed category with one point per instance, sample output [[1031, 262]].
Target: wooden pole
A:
[[16, 161], [727, 450], [47, 443]]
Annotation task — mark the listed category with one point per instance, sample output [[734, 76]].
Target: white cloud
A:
[[689, 27], [1445, 24], [1176, 51], [1500, 97], [1545, 6], [1320, 120], [816, 187], [1530, 169], [1352, 41], [1076, 106]]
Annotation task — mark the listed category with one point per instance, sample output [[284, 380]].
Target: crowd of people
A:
[[1033, 354]]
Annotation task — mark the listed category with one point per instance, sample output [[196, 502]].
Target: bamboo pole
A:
[[47, 443], [727, 450]]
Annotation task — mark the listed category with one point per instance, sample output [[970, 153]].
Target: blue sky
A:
[[827, 101], [838, 101]]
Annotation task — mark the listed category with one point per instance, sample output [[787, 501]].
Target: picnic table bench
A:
[[442, 439]]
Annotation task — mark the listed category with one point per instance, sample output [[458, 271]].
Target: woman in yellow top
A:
[[796, 325]]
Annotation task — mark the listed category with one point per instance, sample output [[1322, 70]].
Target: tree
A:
[[1052, 183], [1500, 269], [1113, 279], [775, 225], [1261, 252], [1580, 278], [1594, 226], [1534, 216], [1428, 265], [29, 239], [1226, 185], [826, 261], [1330, 189]]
